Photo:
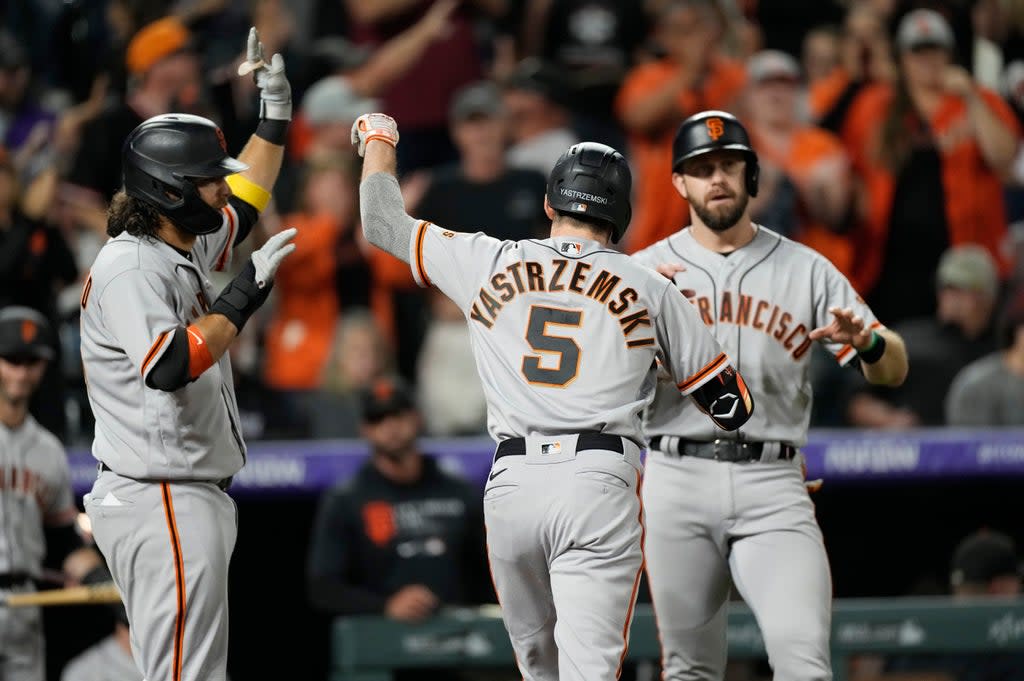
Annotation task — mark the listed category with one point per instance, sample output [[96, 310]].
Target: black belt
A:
[[722, 450], [223, 483], [9, 580], [516, 446]]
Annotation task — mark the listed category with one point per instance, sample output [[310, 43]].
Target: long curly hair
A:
[[132, 215]]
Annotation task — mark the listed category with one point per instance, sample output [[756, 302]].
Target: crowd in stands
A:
[[889, 140]]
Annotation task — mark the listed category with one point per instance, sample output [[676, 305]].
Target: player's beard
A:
[[724, 217]]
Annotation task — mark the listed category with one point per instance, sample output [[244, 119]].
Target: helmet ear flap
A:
[[753, 172]]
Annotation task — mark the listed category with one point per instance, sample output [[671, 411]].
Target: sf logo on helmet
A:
[[222, 141], [715, 128]]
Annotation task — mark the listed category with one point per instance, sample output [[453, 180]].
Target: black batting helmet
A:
[[594, 180], [163, 156], [25, 333], [710, 131]]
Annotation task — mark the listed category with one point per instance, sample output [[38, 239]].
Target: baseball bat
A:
[[75, 595]]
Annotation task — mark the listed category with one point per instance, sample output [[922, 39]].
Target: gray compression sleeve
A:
[[385, 222]]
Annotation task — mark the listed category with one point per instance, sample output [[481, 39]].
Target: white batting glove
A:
[[275, 91], [268, 258], [374, 126]]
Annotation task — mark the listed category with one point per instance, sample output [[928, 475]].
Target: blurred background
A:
[[868, 155]]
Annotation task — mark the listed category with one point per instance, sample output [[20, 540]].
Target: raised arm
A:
[[385, 222]]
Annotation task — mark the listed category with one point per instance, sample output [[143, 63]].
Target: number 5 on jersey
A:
[[567, 350]]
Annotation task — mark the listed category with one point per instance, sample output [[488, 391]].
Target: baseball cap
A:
[[155, 41], [332, 100], [24, 332], [924, 28], [386, 396], [477, 99], [968, 267], [983, 556], [773, 65]]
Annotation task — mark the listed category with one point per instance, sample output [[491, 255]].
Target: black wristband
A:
[[242, 297], [874, 351], [272, 130]]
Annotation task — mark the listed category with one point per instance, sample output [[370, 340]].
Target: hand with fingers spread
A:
[[847, 328], [374, 126], [670, 269], [270, 78]]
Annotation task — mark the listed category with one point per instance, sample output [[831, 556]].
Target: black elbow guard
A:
[[726, 399]]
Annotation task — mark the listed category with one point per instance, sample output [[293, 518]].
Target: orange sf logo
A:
[[715, 128], [28, 330], [223, 142]]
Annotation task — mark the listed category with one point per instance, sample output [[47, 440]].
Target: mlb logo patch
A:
[[579, 207], [572, 248], [551, 448]]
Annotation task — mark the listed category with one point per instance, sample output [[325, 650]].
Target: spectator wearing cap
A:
[[985, 563], [656, 96], [164, 76], [403, 537], [805, 172], [966, 288], [990, 390], [538, 120], [930, 151]]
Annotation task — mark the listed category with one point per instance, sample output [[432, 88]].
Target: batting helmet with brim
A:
[[25, 334], [712, 131], [163, 157], [593, 180]]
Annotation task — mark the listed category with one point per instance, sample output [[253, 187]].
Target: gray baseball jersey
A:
[[166, 529], [35, 491], [760, 302], [138, 292], [751, 524], [567, 336], [566, 333]]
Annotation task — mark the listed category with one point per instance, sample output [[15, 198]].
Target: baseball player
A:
[[566, 334], [735, 503], [154, 348], [35, 489]]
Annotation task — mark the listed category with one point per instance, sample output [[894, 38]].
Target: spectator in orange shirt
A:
[[931, 151], [655, 97], [865, 57], [299, 335], [809, 160]]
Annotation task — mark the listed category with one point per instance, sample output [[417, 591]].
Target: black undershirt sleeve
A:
[[171, 371], [248, 216]]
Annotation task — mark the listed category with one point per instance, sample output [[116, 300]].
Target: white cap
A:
[[332, 100], [924, 28]]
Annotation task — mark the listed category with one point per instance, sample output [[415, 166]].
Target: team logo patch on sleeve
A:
[[447, 234]]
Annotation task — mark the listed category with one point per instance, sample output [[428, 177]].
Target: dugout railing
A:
[[371, 648]]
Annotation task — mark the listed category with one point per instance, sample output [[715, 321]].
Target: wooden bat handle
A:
[[75, 595]]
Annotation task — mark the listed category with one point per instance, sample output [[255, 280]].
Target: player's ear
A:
[[679, 184], [548, 210]]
